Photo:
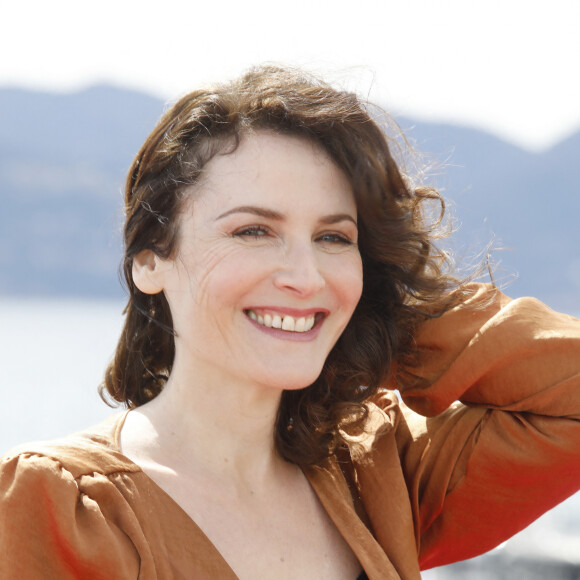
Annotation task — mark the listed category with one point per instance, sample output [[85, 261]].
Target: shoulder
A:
[[65, 461], [61, 510]]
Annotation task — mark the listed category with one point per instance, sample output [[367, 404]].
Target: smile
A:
[[283, 321]]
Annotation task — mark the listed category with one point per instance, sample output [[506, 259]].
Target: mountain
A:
[[62, 165], [63, 159], [528, 204]]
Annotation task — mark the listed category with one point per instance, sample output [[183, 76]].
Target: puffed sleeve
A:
[[489, 437], [49, 529]]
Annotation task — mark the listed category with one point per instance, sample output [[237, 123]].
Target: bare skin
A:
[[208, 438]]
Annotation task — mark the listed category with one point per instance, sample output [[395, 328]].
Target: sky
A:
[[507, 66]]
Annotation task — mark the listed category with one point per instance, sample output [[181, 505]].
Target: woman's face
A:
[[267, 272]]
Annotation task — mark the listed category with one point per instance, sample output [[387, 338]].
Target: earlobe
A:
[[147, 272]]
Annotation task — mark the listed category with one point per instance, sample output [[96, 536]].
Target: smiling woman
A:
[[291, 250], [283, 282]]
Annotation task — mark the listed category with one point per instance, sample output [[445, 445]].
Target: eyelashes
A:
[[252, 232], [335, 238]]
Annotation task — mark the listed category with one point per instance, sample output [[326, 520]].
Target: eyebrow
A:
[[274, 215]]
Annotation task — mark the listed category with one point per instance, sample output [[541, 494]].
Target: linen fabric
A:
[[486, 440]]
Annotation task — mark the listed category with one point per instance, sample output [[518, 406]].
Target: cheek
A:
[[191, 287], [221, 275], [359, 279], [348, 282]]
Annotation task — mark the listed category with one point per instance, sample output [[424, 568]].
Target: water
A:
[[53, 354]]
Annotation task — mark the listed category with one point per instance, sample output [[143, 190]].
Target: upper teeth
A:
[[285, 322]]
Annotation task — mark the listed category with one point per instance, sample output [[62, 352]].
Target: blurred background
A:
[[488, 91]]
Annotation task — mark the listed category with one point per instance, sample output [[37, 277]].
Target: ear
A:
[[148, 270]]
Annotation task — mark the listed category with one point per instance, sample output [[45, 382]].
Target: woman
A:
[[282, 278]]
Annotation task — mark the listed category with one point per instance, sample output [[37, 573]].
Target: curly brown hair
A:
[[404, 274]]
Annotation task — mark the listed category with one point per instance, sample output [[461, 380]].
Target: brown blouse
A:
[[492, 441]]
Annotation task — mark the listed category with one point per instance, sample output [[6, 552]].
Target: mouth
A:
[[283, 321]]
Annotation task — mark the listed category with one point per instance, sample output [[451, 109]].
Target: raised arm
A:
[[500, 383]]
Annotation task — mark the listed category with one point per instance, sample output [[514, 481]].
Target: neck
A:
[[208, 423]]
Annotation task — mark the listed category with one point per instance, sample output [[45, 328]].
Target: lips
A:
[[284, 321]]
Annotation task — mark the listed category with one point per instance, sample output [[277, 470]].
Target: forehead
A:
[[270, 168]]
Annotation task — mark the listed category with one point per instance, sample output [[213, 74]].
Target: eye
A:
[[251, 232], [335, 238]]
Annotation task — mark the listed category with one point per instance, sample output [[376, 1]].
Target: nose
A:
[[300, 272]]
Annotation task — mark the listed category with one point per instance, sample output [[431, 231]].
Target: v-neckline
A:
[[116, 442], [331, 490]]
